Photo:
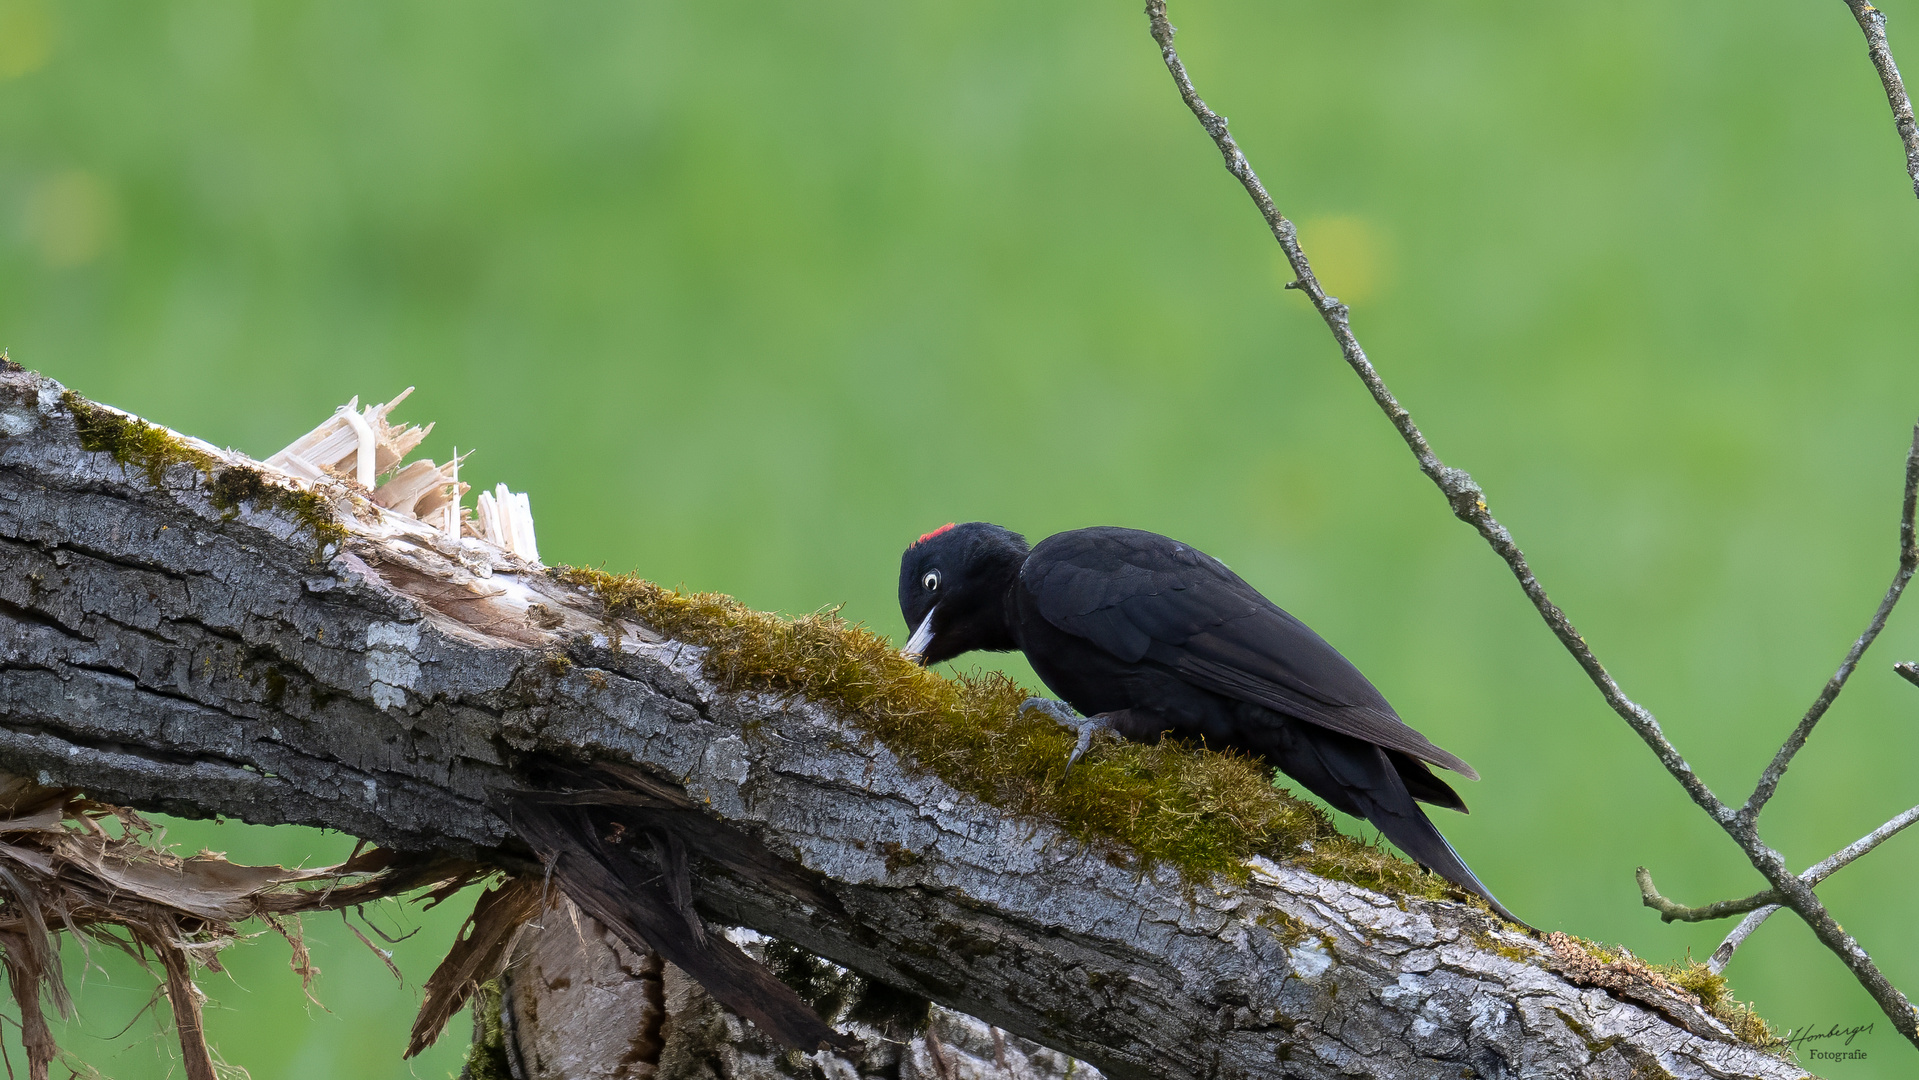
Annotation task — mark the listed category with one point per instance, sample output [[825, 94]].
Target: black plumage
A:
[[1151, 636]]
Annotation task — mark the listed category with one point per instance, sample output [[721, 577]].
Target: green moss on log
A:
[[153, 450], [1691, 977], [1716, 995], [133, 442], [486, 1057], [1199, 811]]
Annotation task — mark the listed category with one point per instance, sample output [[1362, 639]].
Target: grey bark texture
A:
[[581, 1005], [162, 652]]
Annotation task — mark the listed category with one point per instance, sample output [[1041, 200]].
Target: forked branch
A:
[[1723, 954], [1672, 911], [1469, 505]]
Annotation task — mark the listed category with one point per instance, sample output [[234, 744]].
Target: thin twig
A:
[[1839, 859], [1670, 910], [360, 910], [1908, 671], [385, 955], [1467, 500], [1469, 505], [1813, 876], [1908, 561], [1872, 22], [1723, 954]]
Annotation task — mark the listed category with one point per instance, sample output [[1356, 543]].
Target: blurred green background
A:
[[747, 295]]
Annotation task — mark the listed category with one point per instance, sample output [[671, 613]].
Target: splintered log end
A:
[[361, 449]]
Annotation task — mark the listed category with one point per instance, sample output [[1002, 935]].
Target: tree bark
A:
[[578, 1004], [167, 647]]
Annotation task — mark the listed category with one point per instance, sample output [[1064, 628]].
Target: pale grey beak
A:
[[922, 637]]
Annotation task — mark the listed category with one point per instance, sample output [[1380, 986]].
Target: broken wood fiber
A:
[[170, 650]]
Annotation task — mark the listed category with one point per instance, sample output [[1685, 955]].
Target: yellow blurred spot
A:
[[71, 217], [26, 37], [1351, 256]]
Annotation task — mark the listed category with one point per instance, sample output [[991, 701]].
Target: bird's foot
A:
[[1086, 729], [1054, 708], [1085, 725]]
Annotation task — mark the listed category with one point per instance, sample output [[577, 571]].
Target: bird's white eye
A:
[[931, 581]]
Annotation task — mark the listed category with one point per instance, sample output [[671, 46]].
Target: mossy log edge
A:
[[197, 656]]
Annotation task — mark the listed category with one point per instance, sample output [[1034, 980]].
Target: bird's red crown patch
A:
[[928, 536]]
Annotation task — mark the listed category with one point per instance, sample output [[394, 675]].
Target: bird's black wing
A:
[[1141, 596]]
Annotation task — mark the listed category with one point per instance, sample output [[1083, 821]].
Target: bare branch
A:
[[1723, 954], [1670, 910], [1859, 847], [1466, 498], [1908, 671], [1825, 869], [1469, 505], [1908, 561], [1872, 22]]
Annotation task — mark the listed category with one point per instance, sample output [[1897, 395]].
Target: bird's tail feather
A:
[[1407, 826], [1419, 838], [1361, 779]]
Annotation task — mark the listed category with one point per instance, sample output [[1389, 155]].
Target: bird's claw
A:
[[1086, 729], [1087, 726], [1058, 710]]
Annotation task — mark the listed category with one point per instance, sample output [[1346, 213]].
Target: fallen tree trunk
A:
[[181, 635]]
